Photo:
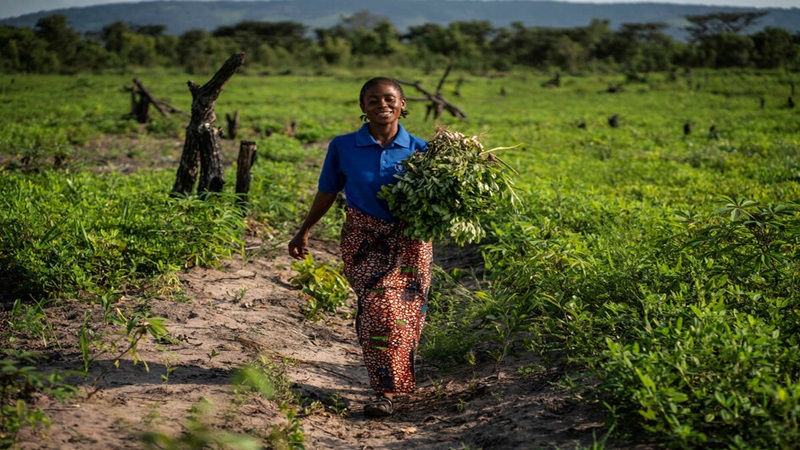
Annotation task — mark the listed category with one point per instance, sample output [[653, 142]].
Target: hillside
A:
[[179, 17]]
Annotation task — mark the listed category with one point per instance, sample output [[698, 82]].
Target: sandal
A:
[[381, 406]]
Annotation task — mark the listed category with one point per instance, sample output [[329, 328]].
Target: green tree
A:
[[567, 54], [21, 50], [198, 52], [727, 50], [60, 39], [774, 48], [368, 35], [702, 27]]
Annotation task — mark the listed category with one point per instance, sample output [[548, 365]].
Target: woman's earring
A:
[[364, 118]]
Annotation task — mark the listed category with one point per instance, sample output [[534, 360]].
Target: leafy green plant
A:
[[134, 329], [322, 285], [716, 378], [32, 318], [451, 317], [198, 434], [19, 382], [746, 238], [88, 236], [590, 253], [445, 190], [269, 380]]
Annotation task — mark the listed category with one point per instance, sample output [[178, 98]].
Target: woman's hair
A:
[[381, 80]]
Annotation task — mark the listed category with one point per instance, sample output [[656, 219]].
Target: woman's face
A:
[[383, 103]]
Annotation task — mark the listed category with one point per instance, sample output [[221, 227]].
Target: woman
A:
[[389, 272]]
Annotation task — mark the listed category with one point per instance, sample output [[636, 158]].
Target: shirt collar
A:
[[364, 139]]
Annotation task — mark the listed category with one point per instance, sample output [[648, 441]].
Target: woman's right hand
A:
[[298, 246]]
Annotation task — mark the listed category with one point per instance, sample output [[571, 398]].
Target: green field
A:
[[660, 266]]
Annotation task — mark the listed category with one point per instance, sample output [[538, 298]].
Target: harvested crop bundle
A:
[[448, 188]]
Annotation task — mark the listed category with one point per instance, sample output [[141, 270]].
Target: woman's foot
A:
[[380, 406]]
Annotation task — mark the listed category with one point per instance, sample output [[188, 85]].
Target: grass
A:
[[663, 263]]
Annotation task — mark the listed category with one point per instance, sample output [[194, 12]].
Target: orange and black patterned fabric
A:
[[391, 274]]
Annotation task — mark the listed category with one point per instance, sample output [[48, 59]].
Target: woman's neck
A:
[[383, 134]]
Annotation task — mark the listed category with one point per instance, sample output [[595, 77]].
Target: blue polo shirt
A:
[[360, 166]]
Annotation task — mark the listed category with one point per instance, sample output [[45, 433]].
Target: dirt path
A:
[[241, 310]]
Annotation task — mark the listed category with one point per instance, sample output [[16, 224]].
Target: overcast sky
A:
[[10, 8]]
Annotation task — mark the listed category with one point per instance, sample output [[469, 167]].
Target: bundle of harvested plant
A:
[[448, 188]]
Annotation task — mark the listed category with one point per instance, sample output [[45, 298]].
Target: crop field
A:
[[653, 261]]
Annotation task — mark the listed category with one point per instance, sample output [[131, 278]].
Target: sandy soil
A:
[[242, 310]]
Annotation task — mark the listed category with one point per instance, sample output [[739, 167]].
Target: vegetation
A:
[[445, 190], [657, 261], [716, 40]]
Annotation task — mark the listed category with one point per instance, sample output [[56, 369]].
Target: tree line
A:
[[715, 40]]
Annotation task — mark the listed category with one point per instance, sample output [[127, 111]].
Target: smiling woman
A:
[[389, 271]]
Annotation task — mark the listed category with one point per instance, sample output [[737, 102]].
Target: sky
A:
[[11, 8]]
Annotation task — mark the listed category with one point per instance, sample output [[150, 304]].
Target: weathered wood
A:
[[244, 163], [146, 95], [437, 102], [202, 143], [233, 124], [212, 177], [142, 98], [140, 106], [444, 77]]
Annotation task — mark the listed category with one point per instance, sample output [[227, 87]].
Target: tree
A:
[[727, 50], [197, 51], [774, 48], [567, 54], [641, 47], [60, 39], [286, 34], [367, 34], [21, 50], [704, 26]]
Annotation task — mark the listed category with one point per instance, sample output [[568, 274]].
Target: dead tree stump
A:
[[141, 99], [233, 124], [437, 102], [553, 82], [202, 142], [140, 106], [245, 161]]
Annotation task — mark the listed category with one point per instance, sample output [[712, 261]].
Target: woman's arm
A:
[[322, 203]]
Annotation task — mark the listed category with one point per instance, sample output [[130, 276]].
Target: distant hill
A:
[[179, 17]]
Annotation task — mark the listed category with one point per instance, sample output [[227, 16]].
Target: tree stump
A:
[[141, 99], [245, 161], [233, 124], [202, 143], [553, 82], [140, 106]]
